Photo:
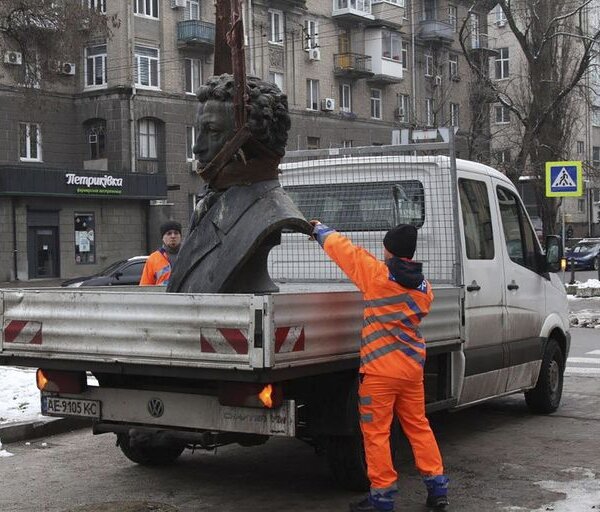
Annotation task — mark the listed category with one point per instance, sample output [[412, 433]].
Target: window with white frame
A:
[[95, 66], [391, 45], [147, 138], [345, 97], [376, 103], [580, 147], [428, 64], [30, 142], [502, 114], [404, 55], [190, 138], [311, 34], [96, 5], [193, 75], [146, 67], [275, 27], [403, 113], [502, 63], [312, 94], [276, 78], [429, 10], [192, 10], [453, 66], [453, 17], [95, 132], [429, 112], [147, 8], [502, 156], [347, 143], [475, 23], [454, 114], [499, 15], [595, 116]]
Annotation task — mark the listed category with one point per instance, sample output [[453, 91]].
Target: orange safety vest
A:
[[157, 269], [391, 344]]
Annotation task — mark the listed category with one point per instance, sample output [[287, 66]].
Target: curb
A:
[[13, 432]]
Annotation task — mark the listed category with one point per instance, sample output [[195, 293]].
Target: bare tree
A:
[[48, 32], [558, 51]]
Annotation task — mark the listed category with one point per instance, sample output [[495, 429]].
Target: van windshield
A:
[[362, 206]]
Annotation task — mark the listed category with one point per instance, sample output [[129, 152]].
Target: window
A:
[[596, 156], [453, 66], [454, 114], [147, 8], [518, 234], [428, 64], [30, 142], [391, 45], [429, 112], [376, 103], [595, 116], [477, 220], [193, 75], [345, 97], [96, 5], [147, 139], [502, 156], [403, 108], [312, 94], [311, 34], [395, 2], [192, 10], [85, 238], [32, 71], [502, 64], [190, 132], [276, 78], [580, 147], [499, 15], [275, 27], [404, 55], [453, 17], [429, 9], [146, 67], [313, 143], [346, 143], [502, 114], [475, 28], [95, 66], [96, 138]]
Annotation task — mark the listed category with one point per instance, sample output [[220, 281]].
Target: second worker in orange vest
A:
[[157, 269], [392, 357]]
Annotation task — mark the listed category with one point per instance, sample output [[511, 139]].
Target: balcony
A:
[[352, 10], [352, 65], [387, 14], [435, 31], [481, 43], [196, 34]]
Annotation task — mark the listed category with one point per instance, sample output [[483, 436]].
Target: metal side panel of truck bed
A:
[[188, 333]]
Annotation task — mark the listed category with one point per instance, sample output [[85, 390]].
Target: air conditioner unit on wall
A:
[[15, 58], [93, 138], [327, 104], [177, 3], [314, 54], [67, 68]]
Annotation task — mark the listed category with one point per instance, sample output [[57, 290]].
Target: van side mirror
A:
[[554, 253]]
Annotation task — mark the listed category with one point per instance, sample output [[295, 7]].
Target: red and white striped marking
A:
[[23, 332], [235, 341]]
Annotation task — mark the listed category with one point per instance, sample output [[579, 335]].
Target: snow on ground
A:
[[19, 395]]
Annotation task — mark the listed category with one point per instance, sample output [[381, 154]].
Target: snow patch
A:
[[19, 395]]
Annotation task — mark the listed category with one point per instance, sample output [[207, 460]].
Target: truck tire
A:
[[545, 397], [149, 449]]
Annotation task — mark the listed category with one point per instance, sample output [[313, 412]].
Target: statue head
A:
[[267, 112]]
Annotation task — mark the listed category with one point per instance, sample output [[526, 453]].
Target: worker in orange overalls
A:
[[157, 269], [392, 357]]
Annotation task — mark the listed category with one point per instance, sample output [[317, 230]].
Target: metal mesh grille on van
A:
[[362, 197]]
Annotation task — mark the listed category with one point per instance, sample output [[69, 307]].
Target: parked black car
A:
[[119, 273]]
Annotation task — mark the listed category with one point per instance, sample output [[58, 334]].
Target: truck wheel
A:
[[150, 449], [545, 397]]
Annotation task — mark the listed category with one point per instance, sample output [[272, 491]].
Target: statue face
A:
[[215, 127]]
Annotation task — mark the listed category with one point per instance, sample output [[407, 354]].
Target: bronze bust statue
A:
[[242, 209]]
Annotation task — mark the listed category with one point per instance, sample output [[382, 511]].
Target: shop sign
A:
[[95, 184]]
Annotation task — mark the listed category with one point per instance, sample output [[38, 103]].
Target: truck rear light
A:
[[239, 394], [58, 381]]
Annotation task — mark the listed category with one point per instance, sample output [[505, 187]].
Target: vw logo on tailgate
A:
[[156, 407]]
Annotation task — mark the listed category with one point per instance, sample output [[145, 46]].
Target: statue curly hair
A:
[[268, 116]]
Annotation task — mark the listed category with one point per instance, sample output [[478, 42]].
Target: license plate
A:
[[59, 406]]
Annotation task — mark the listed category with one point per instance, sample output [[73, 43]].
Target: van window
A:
[[518, 233], [362, 206], [477, 220]]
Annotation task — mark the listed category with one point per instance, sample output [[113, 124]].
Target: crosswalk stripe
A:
[[593, 353], [586, 360], [570, 370]]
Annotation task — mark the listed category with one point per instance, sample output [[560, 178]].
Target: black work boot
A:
[[437, 491]]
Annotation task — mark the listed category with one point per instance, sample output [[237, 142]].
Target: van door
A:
[[484, 296], [525, 290]]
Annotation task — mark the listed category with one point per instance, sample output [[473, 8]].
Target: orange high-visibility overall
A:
[[157, 269], [392, 357]]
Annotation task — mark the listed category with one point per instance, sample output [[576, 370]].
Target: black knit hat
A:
[[401, 241], [170, 225]]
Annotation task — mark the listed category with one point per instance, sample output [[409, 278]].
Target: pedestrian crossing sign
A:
[[564, 179]]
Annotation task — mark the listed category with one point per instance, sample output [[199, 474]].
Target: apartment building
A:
[[90, 169]]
